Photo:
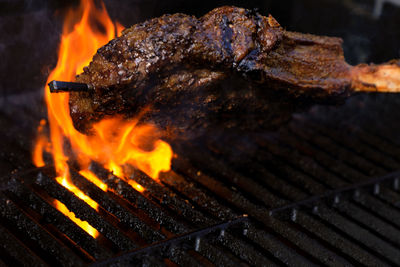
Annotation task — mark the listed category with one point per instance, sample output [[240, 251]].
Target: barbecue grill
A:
[[323, 189]]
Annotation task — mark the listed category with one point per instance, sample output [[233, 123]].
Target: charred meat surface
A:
[[232, 66]]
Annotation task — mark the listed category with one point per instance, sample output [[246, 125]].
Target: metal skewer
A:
[[59, 87]]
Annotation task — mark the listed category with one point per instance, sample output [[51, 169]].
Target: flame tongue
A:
[[116, 141]]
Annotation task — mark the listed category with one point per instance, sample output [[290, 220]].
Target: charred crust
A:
[[211, 65], [227, 34]]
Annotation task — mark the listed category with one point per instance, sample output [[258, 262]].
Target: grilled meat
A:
[[232, 66]]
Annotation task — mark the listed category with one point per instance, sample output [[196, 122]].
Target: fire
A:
[[135, 185], [41, 143], [93, 178], [115, 141], [71, 187], [83, 224]]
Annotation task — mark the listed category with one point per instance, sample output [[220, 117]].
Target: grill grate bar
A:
[[376, 245], [304, 245], [276, 185], [178, 203], [77, 238], [141, 202], [216, 168], [388, 196], [359, 170], [159, 194], [388, 193], [16, 252], [278, 167], [348, 225], [367, 220], [310, 232], [322, 158], [341, 153], [315, 249], [32, 234], [371, 154], [241, 247], [308, 242], [309, 184], [378, 207], [385, 132], [274, 239], [376, 142], [253, 234], [354, 224], [265, 243], [171, 201], [165, 246], [301, 161], [334, 194], [204, 202], [353, 250], [128, 221], [284, 252], [378, 240], [85, 212], [187, 258]]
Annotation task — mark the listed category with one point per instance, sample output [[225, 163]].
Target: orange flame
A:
[[135, 185], [71, 187], [116, 142], [93, 178], [83, 224], [41, 143]]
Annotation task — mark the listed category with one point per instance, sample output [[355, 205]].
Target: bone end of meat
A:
[[384, 78], [228, 63]]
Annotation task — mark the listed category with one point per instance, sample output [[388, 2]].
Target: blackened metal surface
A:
[[315, 192], [309, 189]]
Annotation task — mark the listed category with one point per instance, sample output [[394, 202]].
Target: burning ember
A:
[[115, 142]]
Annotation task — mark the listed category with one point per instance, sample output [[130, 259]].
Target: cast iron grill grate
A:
[[307, 194]]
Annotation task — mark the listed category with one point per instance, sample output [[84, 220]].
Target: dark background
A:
[[30, 30]]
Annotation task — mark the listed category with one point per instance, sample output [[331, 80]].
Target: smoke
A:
[[28, 45]]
